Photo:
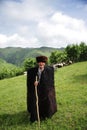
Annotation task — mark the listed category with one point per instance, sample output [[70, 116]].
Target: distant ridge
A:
[[16, 55]]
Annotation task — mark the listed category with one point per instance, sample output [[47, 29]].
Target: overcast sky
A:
[[37, 23]]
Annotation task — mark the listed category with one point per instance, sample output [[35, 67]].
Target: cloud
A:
[[13, 40], [17, 41], [26, 10], [34, 23], [61, 29]]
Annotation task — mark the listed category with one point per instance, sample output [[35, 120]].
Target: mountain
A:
[[16, 55]]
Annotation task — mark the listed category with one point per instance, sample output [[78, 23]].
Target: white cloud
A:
[[18, 41], [62, 29], [3, 38], [32, 23], [13, 40], [26, 10]]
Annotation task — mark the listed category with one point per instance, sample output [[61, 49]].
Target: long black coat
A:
[[46, 93]]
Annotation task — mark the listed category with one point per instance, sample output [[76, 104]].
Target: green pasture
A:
[[71, 95]]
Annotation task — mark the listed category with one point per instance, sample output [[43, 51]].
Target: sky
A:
[[38, 23]]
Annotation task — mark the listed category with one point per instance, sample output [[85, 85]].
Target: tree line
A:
[[73, 52]]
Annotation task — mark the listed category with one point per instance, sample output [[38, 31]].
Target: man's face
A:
[[41, 65]]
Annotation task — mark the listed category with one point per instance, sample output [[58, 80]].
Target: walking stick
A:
[[37, 104]]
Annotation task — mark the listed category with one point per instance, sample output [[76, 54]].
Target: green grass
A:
[[71, 94]]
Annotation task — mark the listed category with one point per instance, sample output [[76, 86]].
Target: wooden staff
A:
[[37, 103]]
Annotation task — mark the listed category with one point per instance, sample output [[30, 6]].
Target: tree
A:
[[57, 57], [53, 57], [72, 52], [83, 52], [28, 63]]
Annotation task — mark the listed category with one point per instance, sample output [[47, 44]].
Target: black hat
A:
[[41, 59]]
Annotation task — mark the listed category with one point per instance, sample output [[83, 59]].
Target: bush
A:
[[9, 70]]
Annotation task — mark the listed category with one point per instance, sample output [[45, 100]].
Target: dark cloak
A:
[[46, 93]]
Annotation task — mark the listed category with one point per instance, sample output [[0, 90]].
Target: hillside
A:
[[71, 95], [16, 55], [8, 70]]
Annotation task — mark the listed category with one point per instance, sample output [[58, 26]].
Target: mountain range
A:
[[16, 55]]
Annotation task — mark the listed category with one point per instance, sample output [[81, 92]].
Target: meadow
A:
[[71, 95]]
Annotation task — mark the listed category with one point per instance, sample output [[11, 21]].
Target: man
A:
[[45, 90]]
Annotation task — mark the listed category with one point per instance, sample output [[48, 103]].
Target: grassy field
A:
[[71, 94]]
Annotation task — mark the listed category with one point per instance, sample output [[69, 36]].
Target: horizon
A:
[[32, 47]]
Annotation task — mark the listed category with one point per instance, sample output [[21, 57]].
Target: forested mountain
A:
[[16, 55]]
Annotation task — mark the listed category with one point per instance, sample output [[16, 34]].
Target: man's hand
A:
[[36, 83]]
